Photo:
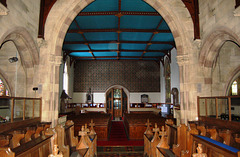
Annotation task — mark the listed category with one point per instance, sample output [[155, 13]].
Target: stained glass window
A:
[[3, 90], [117, 93], [167, 80], [65, 78], [234, 88]]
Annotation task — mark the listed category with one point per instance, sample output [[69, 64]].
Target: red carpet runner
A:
[[118, 137]]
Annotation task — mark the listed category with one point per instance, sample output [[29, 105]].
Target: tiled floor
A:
[[120, 151]]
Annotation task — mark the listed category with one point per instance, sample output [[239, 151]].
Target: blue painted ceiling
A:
[[118, 30]]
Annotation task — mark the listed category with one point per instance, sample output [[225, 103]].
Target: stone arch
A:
[[25, 45], [235, 73], [213, 43], [27, 51], [118, 86], [174, 13], [5, 79], [210, 50]]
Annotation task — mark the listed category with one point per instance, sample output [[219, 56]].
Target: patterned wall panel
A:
[[136, 76]]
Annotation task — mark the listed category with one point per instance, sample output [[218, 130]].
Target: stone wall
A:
[[19, 26]]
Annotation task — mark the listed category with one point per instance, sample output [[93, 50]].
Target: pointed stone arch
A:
[[27, 51], [210, 49], [213, 43], [5, 79], [234, 74], [174, 13], [25, 45]]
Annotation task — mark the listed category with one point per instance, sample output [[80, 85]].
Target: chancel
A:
[[100, 78]]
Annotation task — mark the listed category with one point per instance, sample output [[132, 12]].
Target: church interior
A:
[[120, 78]]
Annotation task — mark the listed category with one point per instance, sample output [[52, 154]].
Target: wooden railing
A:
[[20, 108], [219, 107]]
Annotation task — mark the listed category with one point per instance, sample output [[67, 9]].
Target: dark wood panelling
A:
[[4, 2], [237, 3], [45, 8], [193, 8]]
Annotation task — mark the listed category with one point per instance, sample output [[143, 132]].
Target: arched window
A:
[[3, 89], [234, 88], [167, 73], [65, 78]]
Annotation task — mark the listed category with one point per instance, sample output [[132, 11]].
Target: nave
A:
[[138, 134]]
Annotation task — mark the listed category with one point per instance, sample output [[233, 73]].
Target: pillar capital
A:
[[183, 59], [57, 60], [3, 10]]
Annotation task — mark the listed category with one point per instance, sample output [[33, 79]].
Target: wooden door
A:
[[116, 102], [109, 100]]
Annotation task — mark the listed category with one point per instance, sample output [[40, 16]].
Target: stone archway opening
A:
[[219, 47], [19, 44], [173, 14]]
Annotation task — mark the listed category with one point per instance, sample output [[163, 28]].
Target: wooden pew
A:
[[153, 143], [148, 135], [82, 147], [181, 140], [218, 140], [135, 124], [70, 140], [189, 142], [171, 129], [102, 123], [5, 140], [93, 136], [17, 136], [87, 146], [55, 152], [214, 148], [23, 140], [199, 152], [60, 140], [30, 131]]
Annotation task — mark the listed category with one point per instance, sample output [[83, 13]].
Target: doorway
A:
[[116, 100]]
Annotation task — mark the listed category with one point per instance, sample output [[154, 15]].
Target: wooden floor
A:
[[120, 151]]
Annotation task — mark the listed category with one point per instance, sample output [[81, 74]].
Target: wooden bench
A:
[[102, 123], [24, 141], [152, 142], [214, 148], [87, 146], [215, 140], [135, 124]]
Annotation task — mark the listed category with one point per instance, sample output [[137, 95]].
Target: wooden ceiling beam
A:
[[121, 50], [120, 42], [137, 57], [152, 37], [119, 15], [116, 12], [85, 39], [118, 30]]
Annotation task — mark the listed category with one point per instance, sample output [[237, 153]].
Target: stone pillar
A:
[[49, 83], [183, 61], [55, 62]]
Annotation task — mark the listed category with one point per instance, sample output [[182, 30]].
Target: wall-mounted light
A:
[[13, 59]]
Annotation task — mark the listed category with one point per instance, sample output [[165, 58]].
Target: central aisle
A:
[[118, 132], [118, 137]]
